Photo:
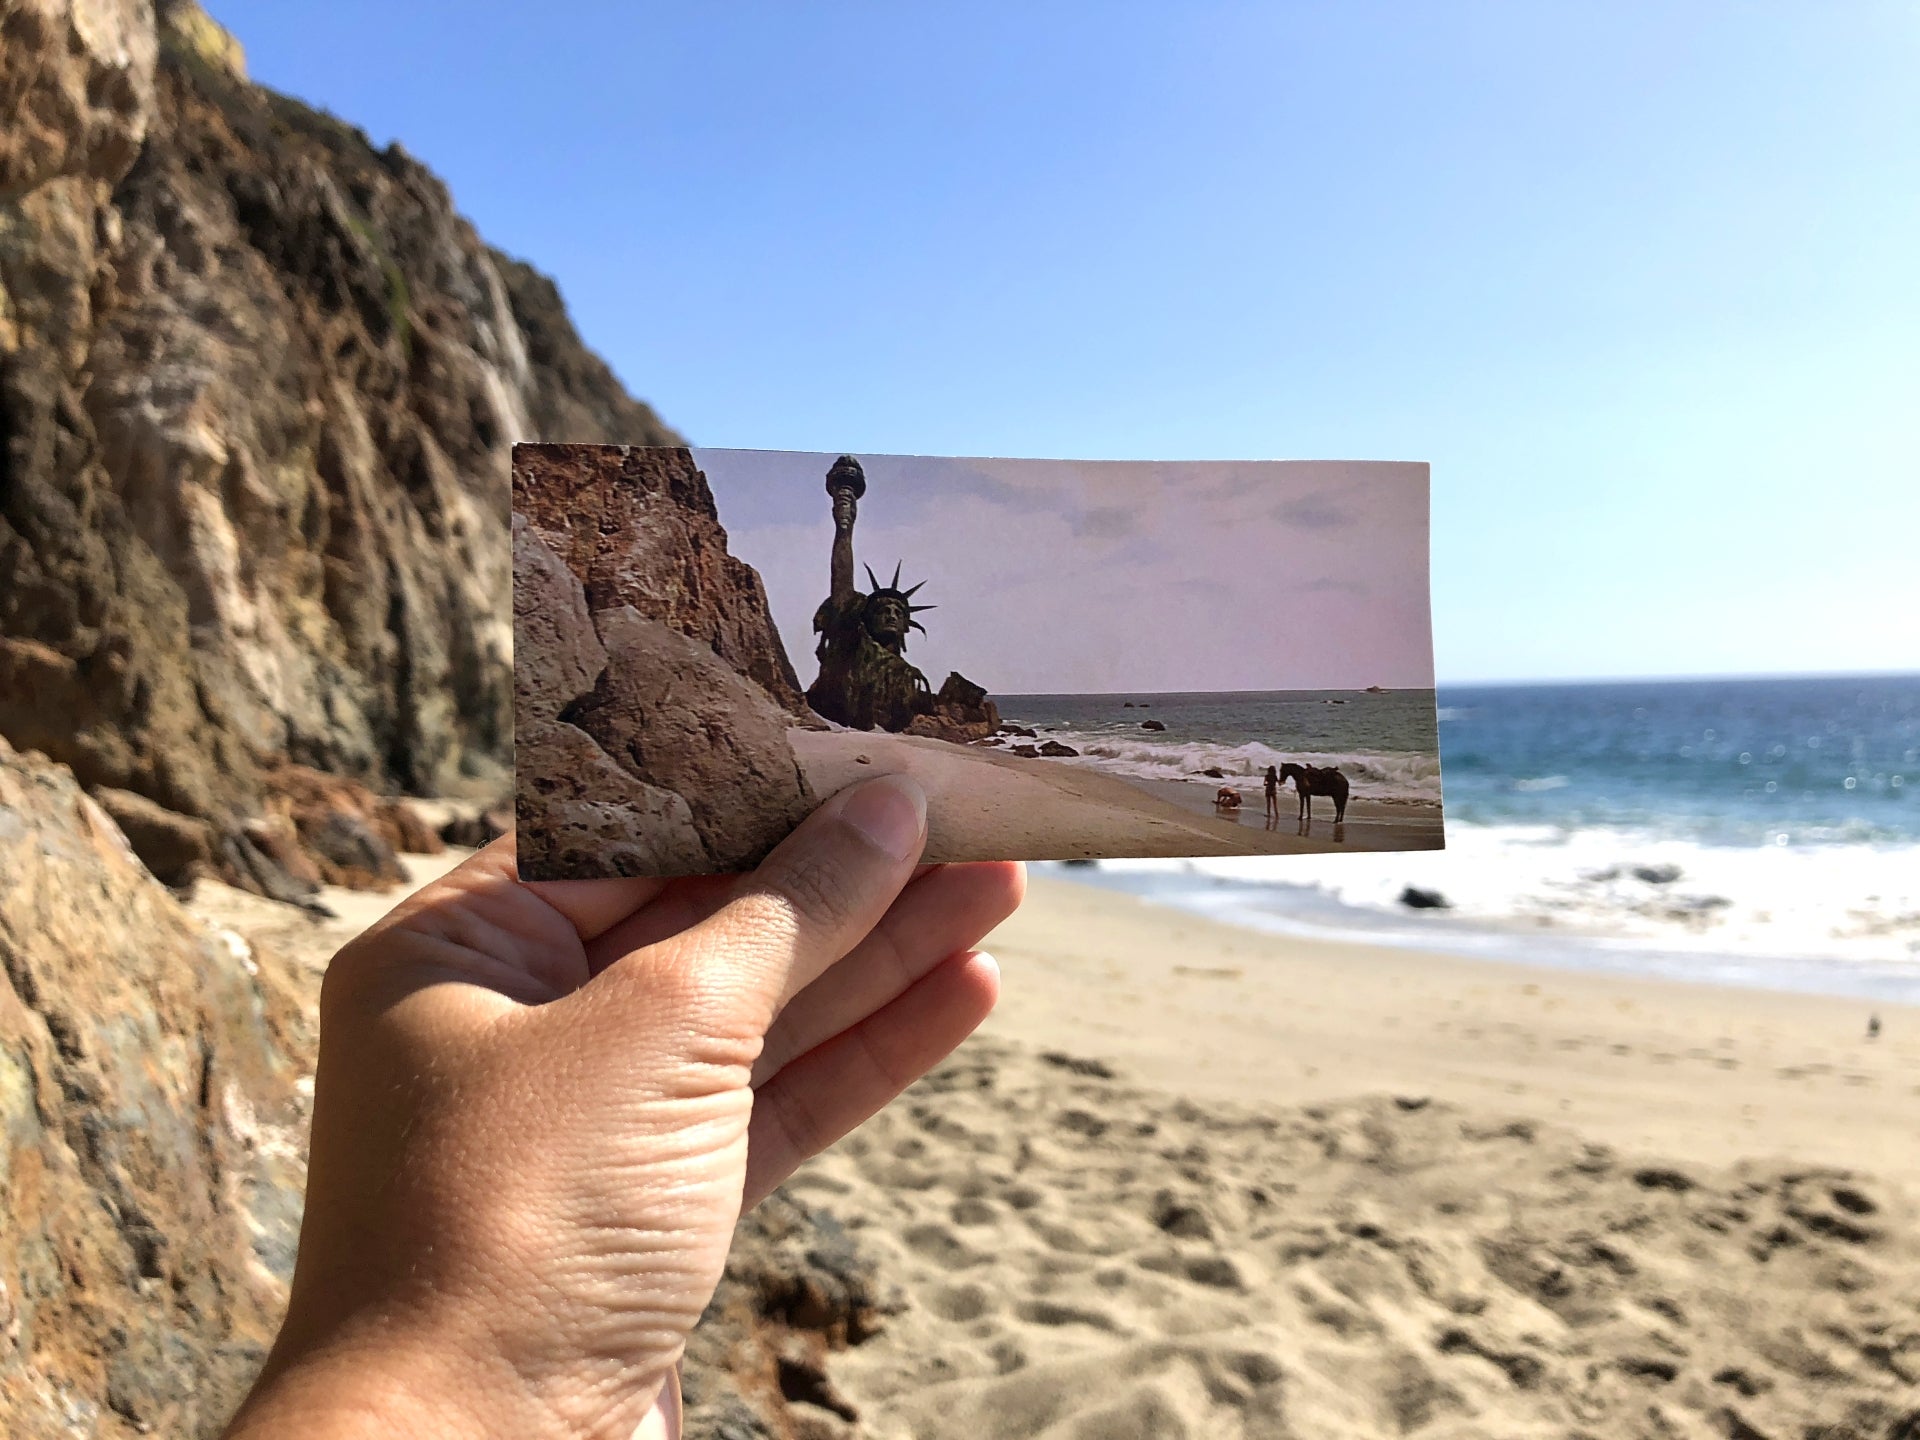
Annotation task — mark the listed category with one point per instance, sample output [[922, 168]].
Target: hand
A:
[[541, 1108]]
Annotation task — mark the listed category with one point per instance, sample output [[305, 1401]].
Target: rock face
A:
[[639, 528], [258, 388], [150, 1133], [578, 811], [651, 733]]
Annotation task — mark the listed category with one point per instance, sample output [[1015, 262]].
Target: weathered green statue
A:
[[865, 680]]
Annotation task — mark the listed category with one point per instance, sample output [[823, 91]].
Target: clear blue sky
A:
[[1641, 280]]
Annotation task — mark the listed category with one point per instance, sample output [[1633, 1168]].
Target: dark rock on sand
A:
[[1054, 747], [798, 1287], [1029, 752], [150, 1132], [176, 848], [962, 713], [1414, 898]]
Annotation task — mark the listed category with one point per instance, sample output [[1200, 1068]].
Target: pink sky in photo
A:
[[1057, 576]]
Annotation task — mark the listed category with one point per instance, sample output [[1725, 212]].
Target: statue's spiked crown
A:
[[892, 591]]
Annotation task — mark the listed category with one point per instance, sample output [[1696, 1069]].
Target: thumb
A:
[[809, 903]]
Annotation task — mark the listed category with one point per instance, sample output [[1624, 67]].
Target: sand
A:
[[1198, 1182], [1193, 1181], [984, 804]]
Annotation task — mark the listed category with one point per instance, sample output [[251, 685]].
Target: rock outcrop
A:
[[151, 1133], [640, 752], [258, 386], [962, 713], [639, 527], [653, 694]]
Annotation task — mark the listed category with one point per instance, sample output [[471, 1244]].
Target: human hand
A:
[[541, 1108]]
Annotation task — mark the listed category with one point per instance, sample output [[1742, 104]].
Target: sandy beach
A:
[[1198, 1181], [1193, 1181], [984, 804]]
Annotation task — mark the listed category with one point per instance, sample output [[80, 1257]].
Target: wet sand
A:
[[984, 804]]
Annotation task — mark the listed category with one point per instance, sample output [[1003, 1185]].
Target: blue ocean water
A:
[[1758, 832], [1809, 761]]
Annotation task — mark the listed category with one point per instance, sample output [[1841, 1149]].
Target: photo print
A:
[[1076, 659]]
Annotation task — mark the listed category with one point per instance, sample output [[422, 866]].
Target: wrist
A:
[[357, 1391]]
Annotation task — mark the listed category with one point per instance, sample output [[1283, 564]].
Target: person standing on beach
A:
[[1273, 793]]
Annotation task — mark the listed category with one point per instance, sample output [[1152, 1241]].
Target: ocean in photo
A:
[[1757, 832]]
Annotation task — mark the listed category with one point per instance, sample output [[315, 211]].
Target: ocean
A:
[[1757, 832]]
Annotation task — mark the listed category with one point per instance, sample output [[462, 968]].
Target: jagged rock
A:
[[962, 713], [639, 528], [582, 816], [176, 848], [674, 717], [797, 1288], [258, 387], [1054, 747], [149, 1133]]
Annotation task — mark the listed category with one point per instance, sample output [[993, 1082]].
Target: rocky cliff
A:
[[258, 387], [151, 1133]]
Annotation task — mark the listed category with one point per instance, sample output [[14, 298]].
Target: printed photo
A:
[[1077, 659]]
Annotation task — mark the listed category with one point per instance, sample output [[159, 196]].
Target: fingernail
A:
[[891, 811]]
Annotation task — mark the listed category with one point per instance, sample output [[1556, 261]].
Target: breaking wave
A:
[[1376, 776]]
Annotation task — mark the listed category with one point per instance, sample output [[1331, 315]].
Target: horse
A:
[[1311, 780]]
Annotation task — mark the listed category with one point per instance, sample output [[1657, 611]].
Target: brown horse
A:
[[1311, 780]]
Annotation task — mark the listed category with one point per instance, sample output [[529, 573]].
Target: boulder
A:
[[175, 847], [482, 827], [151, 1133], [1415, 898], [1021, 730], [797, 1289], [1054, 747], [1152, 725], [674, 716], [1028, 752], [581, 816]]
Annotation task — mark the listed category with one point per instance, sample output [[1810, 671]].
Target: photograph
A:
[[1077, 660]]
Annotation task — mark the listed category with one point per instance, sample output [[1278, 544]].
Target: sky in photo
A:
[[1637, 278], [1088, 577]]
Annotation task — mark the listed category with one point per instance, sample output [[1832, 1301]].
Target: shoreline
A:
[[1656, 1065], [988, 805]]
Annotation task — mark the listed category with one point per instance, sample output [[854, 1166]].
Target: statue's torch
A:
[[846, 483]]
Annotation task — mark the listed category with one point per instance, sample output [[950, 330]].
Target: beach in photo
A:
[[1052, 648]]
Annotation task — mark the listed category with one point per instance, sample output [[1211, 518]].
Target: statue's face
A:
[[887, 618], [845, 507]]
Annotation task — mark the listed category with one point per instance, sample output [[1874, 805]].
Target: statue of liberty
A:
[[865, 679]]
